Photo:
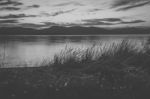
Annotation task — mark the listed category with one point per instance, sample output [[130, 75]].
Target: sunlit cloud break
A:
[[95, 13]]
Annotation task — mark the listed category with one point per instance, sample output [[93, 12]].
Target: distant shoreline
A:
[[81, 35], [74, 31]]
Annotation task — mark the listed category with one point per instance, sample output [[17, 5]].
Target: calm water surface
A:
[[20, 51]]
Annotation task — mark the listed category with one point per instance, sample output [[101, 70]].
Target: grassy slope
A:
[[122, 73]]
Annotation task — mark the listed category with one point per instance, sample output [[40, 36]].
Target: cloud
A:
[[94, 10], [16, 16], [61, 12], [96, 22], [134, 6], [110, 21], [104, 19], [118, 3], [68, 3], [10, 8], [56, 13], [10, 2], [132, 22], [30, 25], [38, 26], [49, 24], [33, 6], [9, 5], [8, 21]]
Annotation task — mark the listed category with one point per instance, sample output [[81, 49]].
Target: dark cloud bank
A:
[[76, 29]]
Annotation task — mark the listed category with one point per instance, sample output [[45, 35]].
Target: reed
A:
[[120, 66]]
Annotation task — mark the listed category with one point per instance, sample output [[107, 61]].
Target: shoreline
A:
[[84, 35]]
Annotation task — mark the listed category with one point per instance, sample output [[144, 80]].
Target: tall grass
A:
[[99, 54], [121, 65]]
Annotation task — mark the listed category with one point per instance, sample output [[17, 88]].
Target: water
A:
[[20, 51]]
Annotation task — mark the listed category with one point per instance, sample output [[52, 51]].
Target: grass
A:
[[115, 55], [116, 67], [120, 71]]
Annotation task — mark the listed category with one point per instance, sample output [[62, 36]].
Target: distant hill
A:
[[57, 30]]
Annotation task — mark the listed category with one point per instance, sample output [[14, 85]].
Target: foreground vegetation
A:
[[120, 71]]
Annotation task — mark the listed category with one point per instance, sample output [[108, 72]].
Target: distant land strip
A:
[[56, 30]]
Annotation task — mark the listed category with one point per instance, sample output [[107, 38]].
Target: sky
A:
[[40, 14]]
